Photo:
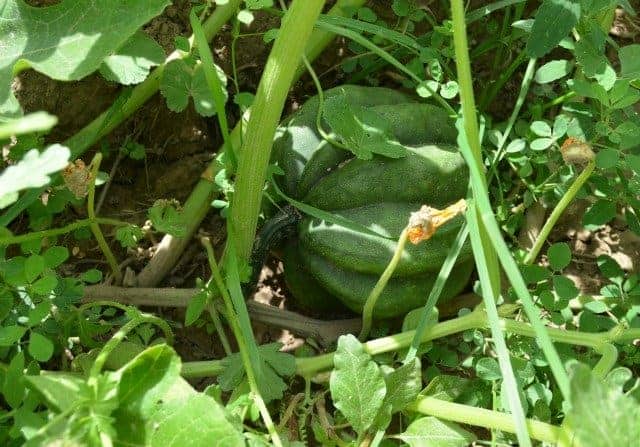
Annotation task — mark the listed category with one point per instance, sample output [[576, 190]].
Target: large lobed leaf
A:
[[66, 41]]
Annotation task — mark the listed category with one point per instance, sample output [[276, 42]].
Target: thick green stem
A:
[[482, 417], [118, 112], [372, 299], [558, 210], [276, 80]]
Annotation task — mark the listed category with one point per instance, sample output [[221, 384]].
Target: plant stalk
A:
[[274, 86]]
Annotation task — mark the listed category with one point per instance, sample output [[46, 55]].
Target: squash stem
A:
[[372, 299], [276, 80]]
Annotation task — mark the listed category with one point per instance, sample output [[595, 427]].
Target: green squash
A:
[[328, 265]]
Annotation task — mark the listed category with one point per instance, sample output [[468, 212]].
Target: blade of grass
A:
[[232, 296], [445, 271], [490, 299], [216, 88]]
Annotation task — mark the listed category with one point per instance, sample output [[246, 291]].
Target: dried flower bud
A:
[[576, 152], [77, 177], [424, 223]]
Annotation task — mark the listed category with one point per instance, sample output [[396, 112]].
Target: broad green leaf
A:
[[449, 89], [176, 84], [565, 288], [357, 385], [607, 158], [39, 313], [202, 96], [487, 368], [146, 379], [31, 172], [541, 129], [559, 255], [552, 71], [433, 432], [33, 267], [40, 347], [55, 256], [13, 387], [599, 214], [45, 285], [91, 276], [361, 130], [600, 415], [6, 303], [66, 41], [130, 64], [59, 390], [610, 268], [196, 420], [195, 308], [403, 385], [10, 335], [33, 122], [630, 61], [553, 21]]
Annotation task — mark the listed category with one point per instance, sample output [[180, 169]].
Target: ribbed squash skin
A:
[[329, 264]]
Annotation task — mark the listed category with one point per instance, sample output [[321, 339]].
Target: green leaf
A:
[[55, 256], [33, 122], [433, 432], [40, 347], [91, 276], [541, 129], [129, 235], [553, 21], [45, 285], [552, 71], [131, 63], [559, 255], [10, 335], [599, 214], [166, 218], [565, 288], [13, 387], [357, 385], [67, 41], [630, 61], [202, 96], [607, 158], [274, 365], [175, 85], [60, 390], [33, 267], [403, 385], [32, 171], [487, 368], [610, 268], [6, 303], [197, 420], [362, 131], [449, 89], [540, 144], [147, 378], [598, 408], [39, 313], [195, 308]]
